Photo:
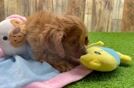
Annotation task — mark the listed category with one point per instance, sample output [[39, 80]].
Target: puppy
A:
[[59, 40]]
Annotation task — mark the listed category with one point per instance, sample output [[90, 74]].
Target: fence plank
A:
[[23, 7], [88, 14], [117, 15], [60, 6], [128, 16], [2, 15], [48, 5], [10, 7], [102, 15], [77, 8], [57, 6]]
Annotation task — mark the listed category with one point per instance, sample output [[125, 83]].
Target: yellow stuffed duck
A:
[[103, 59]]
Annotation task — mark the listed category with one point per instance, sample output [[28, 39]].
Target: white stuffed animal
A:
[[6, 49]]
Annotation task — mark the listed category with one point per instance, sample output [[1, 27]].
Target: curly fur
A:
[[59, 40]]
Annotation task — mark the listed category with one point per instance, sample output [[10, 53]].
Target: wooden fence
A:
[[98, 15]]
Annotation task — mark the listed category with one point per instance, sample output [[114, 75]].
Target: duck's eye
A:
[[96, 52], [5, 38]]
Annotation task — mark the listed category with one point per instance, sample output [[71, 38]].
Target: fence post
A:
[[88, 14], [102, 15], [77, 7], [128, 16], [2, 15]]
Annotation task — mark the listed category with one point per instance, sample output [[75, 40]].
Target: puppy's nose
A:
[[83, 50], [86, 41]]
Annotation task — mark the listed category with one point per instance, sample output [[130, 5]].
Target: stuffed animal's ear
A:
[[15, 23]]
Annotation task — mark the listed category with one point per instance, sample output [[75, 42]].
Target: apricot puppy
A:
[[59, 40]]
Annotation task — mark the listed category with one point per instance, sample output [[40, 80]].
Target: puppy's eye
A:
[[5, 38], [86, 40], [96, 52]]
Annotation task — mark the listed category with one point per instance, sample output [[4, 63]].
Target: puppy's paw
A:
[[62, 67], [41, 61]]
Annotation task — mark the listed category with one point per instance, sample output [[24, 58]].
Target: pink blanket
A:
[[62, 79]]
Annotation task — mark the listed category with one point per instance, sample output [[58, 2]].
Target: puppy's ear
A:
[[57, 41], [52, 38]]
